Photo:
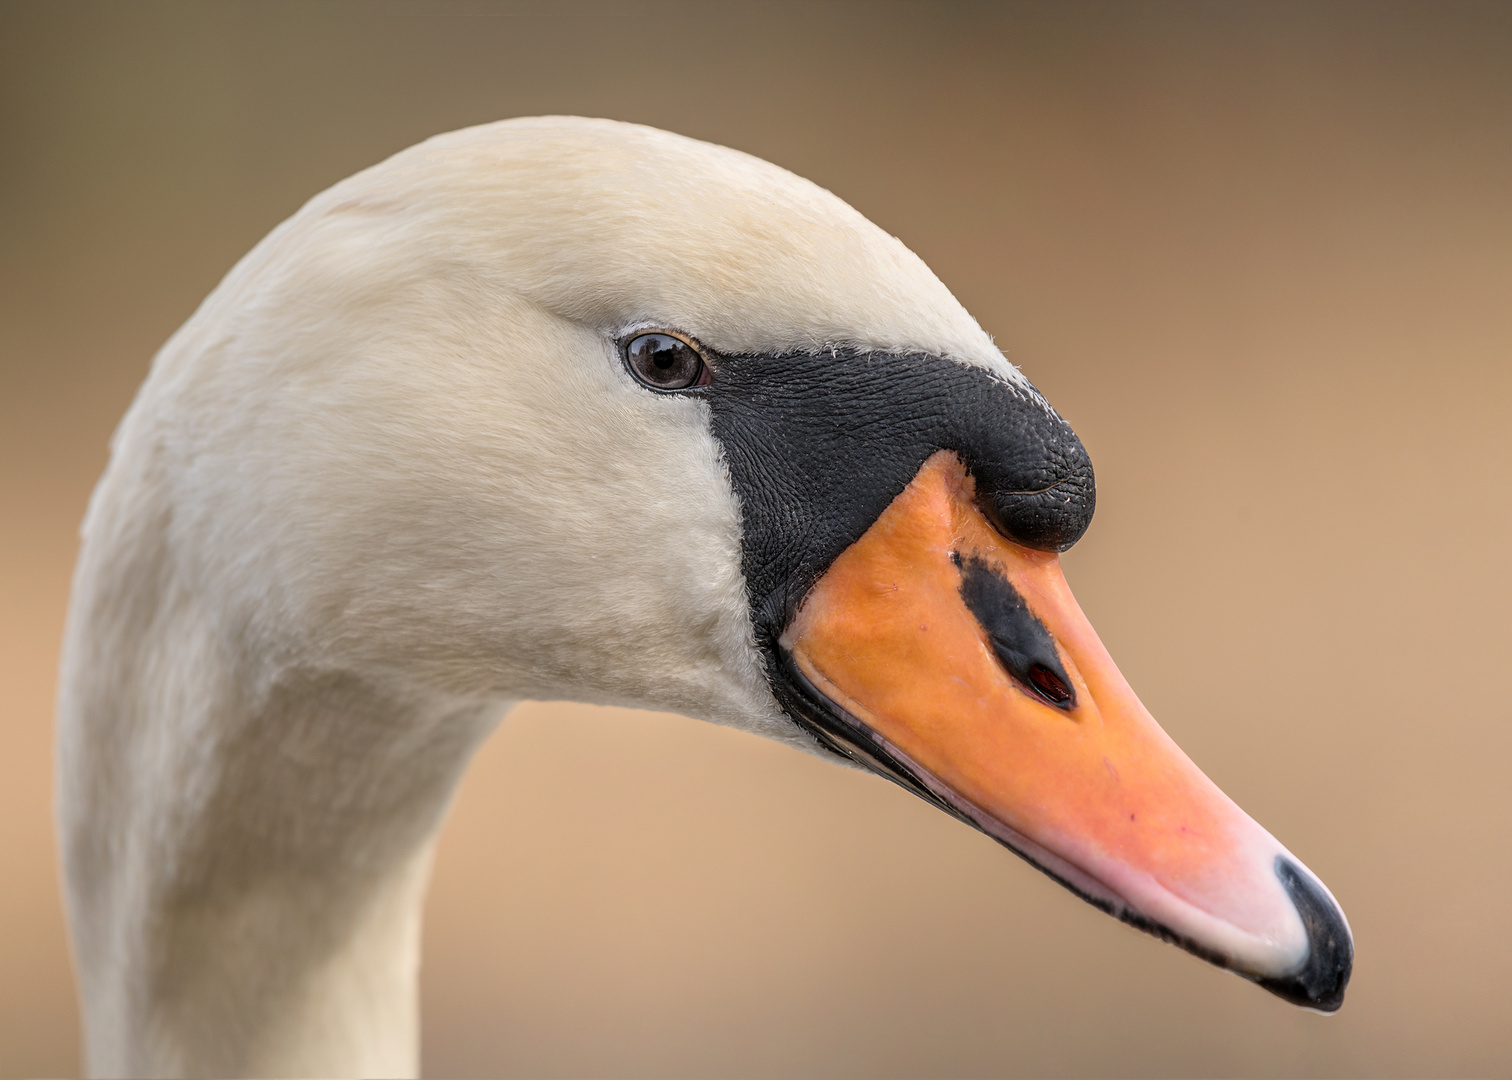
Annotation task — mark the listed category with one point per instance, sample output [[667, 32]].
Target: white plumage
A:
[[388, 478]]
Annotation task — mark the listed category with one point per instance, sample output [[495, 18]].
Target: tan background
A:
[[1259, 255]]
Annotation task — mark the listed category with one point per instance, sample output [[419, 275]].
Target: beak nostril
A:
[[1020, 641], [1050, 686]]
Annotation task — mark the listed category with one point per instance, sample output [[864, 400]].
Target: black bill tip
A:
[[1319, 983]]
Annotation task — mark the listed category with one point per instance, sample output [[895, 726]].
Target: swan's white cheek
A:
[[459, 488]]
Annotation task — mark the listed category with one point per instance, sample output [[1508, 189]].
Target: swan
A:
[[559, 408]]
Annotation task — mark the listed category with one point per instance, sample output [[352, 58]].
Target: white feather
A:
[[388, 478]]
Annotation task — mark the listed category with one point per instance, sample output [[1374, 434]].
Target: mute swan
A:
[[563, 408]]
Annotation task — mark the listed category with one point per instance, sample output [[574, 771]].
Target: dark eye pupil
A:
[[664, 362]]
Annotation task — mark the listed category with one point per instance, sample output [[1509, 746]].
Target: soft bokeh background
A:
[[1260, 255]]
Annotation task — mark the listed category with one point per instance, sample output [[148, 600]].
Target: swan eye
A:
[[664, 362]]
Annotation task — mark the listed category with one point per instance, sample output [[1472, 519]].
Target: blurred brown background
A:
[[1260, 255]]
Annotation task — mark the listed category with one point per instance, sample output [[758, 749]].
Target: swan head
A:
[[564, 408]]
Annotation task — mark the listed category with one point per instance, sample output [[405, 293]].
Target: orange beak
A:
[[959, 663]]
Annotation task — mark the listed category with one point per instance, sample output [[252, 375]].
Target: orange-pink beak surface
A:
[[1066, 767]]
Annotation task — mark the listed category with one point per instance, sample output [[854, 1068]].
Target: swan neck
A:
[[247, 853]]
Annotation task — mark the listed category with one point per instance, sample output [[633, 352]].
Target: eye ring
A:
[[664, 361]]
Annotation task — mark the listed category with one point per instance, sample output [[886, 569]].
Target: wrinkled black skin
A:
[[819, 444]]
